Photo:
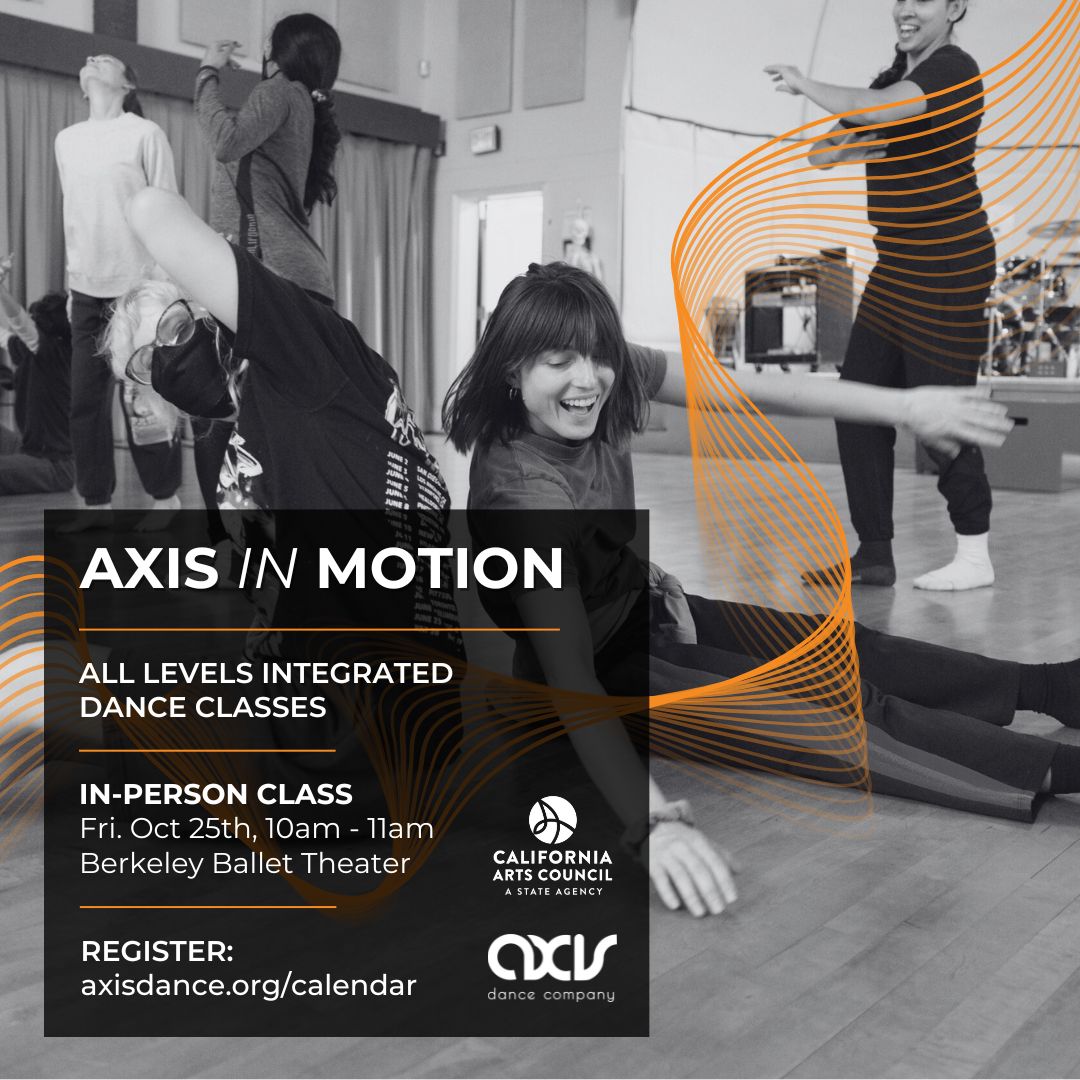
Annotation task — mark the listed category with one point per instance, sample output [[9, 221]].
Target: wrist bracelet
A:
[[633, 839]]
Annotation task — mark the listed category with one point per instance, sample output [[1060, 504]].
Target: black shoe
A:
[[862, 573]]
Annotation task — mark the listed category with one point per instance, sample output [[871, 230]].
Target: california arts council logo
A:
[[552, 819]]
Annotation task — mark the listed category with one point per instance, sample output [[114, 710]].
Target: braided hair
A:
[[307, 50]]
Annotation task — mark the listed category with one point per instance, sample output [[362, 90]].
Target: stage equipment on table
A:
[[1034, 320], [799, 310]]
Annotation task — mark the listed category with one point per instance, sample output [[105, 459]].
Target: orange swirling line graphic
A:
[[766, 517], [772, 201], [30, 643]]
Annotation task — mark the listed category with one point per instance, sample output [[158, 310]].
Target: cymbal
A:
[[1051, 230]]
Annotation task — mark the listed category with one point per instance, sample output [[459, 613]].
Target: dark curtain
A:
[[377, 236]]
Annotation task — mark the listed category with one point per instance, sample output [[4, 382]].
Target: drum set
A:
[[1035, 311]]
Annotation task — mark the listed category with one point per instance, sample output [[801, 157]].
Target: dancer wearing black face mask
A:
[[189, 364]]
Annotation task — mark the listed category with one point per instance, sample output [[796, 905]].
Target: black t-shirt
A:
[[43, 395], [935, 182], [544, 492], [323, 423]]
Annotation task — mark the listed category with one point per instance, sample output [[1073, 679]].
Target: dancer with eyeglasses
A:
[[922, 319], [103, 161], [333, 432]]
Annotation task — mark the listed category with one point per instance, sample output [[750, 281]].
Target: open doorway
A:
[[498, 235]]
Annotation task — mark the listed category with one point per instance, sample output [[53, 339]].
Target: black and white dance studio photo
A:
[[539, 538]]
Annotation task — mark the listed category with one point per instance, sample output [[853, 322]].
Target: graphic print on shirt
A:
[[236, 481], [413, 482]]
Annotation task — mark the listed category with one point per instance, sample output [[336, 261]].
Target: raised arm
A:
[[943, 417], [683, 865], [232, 135], [901, 101], [199, 260]]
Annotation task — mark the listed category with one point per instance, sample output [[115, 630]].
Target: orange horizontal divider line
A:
[[319, 629], [201, 750], [208, 907]]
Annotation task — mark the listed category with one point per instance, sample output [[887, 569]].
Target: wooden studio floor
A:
[[934, 943]]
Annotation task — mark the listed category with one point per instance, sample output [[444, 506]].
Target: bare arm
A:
[[200, 261], [15, 320], [943, 417], [846, 146], [683, 866], [901, 101]]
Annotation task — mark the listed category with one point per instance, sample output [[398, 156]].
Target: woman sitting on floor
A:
[[547, 404]]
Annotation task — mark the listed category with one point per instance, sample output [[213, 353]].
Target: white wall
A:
[[159, 28], [571, 152], [701, 59], [691, 60], [74, 14]]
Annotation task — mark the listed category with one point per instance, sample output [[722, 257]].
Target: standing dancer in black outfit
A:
[[922, 318]]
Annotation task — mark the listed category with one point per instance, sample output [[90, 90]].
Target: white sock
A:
[[970, 569]]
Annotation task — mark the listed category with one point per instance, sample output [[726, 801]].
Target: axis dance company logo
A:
[[552, 870], [553, 819], [536, 959]]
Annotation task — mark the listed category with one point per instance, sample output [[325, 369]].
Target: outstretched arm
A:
[[199, 260], [684, 867], [943, 417], [901, 101]]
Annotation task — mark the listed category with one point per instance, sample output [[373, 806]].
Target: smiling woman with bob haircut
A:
[[547, 404]]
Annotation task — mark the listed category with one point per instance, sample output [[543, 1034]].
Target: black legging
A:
[[936, 718], [158, 464], [211, 442], [919, 323]]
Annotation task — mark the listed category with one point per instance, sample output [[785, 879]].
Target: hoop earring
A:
[[512, 393]]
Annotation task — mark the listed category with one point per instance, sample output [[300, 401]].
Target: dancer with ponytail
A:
[[922, 319], [278, 150], [103, 162], [274, 162]]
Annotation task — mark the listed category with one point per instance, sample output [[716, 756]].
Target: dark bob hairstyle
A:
[[551, 307]]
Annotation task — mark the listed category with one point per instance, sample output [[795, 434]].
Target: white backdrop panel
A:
[[701, 60]]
